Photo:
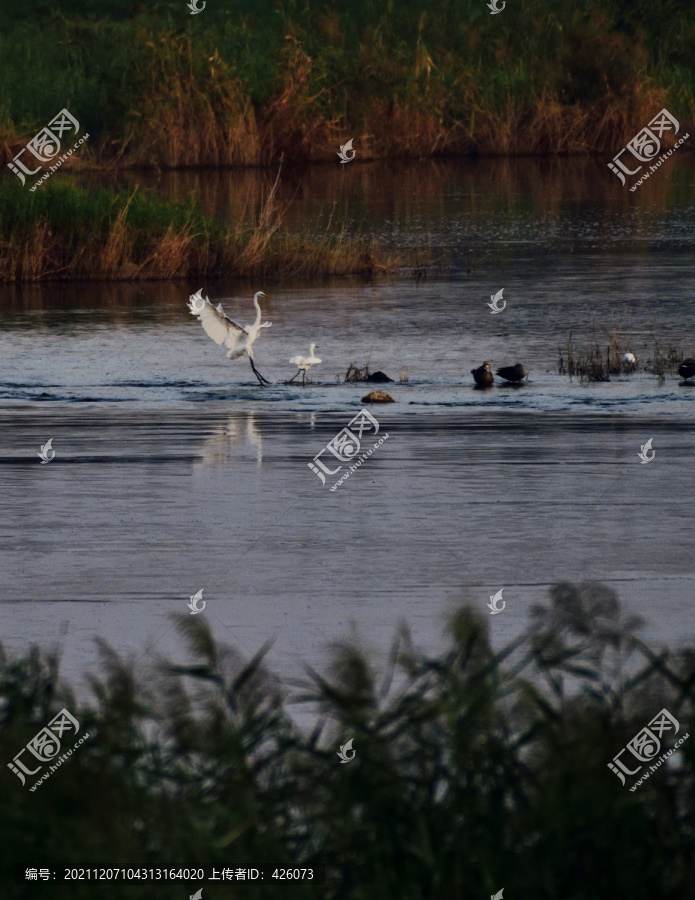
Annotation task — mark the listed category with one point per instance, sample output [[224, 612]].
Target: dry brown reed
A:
[[40, 255], [587, 364], [665, 361], [189, 119]]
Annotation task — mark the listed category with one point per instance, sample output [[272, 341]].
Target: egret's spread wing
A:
[[217, 325], [240, 327], [297, 360]]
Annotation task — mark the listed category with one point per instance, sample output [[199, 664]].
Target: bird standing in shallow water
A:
[[512, 373], [222, 330], [687, 369], [304, 363], [482, 375]]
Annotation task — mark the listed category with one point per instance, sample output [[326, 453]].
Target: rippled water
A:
[[175, 470]]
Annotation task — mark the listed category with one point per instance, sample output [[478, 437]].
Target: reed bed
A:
[[64, 232], [593, 363], [248, 83], [475, 770], [589, 364], [666, 360]]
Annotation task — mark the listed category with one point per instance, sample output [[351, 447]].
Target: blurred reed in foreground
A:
[[475, 770]]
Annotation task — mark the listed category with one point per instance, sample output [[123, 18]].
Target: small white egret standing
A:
[[304, 363], [222, 330]]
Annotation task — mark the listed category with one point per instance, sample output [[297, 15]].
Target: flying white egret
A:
[[222, 330], [304, 363]]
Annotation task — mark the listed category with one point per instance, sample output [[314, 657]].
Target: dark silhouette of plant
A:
[[475, 769]]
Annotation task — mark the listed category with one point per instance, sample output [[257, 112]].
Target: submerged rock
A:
[[378, 397]]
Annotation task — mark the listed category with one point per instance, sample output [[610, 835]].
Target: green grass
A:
[[81, 213], [476, 769]]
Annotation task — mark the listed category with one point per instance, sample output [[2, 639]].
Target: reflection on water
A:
[[237, 432], [474, 211]]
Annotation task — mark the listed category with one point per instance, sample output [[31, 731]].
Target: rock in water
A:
[[378, 397]]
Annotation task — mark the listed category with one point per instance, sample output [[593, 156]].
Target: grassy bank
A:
[[475, 770], [248, 82], [65, 232]]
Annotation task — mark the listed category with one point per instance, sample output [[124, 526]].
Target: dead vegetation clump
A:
[[665, 361], [591, 364], [357, 373]]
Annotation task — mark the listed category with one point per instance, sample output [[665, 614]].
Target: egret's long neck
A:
[[258, 310]]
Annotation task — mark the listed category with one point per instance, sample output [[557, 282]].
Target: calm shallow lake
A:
[[175, 471]]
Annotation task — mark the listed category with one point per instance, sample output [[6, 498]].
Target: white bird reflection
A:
[[238, 433]]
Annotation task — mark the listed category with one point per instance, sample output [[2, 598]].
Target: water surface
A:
[[175, 470]]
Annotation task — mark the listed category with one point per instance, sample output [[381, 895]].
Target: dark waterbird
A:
[[687, 369], [512, 373], [378, 377], [482, 375], [354, 373]]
